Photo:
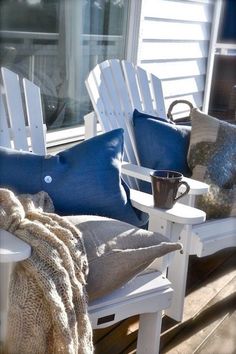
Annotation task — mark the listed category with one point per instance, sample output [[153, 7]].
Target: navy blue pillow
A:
[[161, 144], [84, 179]]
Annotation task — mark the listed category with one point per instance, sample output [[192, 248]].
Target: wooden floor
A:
[[209, 323]]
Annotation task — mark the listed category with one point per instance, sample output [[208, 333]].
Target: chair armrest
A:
[[12, 249], [180, 213], [143, 173]]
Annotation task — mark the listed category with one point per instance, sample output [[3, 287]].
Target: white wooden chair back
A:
[[116, 88], [21, 124]]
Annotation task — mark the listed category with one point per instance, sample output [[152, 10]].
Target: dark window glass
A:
[[55, 43], [227, 30]]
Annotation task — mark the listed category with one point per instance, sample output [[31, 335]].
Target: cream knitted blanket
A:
[[47, 302]]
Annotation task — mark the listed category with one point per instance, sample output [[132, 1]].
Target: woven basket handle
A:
[[169, 113]]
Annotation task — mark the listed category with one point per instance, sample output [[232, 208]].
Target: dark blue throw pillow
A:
[[161, 144], [84, 179]]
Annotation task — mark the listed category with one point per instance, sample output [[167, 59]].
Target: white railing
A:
[[32, 46], [35, 55]]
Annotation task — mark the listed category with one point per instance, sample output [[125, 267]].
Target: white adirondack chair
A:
[[148, 294], [116, 89]]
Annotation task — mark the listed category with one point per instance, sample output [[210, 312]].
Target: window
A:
[[223, 86], [227, 29], [55, 43]]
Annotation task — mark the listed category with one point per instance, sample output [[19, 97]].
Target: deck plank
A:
[[209, 313], [119, 339], [224, 337], [211, 284], [196, 330]]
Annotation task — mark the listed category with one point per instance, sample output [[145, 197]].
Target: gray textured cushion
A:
[[212, 159], [117, 251]]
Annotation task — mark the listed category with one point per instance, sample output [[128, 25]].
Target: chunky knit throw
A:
[[47, 301]]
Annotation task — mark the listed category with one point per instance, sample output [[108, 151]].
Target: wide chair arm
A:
[[12, 249], [179, 213], [143, 173]]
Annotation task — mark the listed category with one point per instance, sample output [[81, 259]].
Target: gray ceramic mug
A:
[[165, 186]]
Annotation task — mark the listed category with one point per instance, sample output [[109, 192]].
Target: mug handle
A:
[[185, 192]]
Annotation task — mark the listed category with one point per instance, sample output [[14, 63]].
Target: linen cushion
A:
[[161, 145], [84, 179], [117, 251], [212, 159]]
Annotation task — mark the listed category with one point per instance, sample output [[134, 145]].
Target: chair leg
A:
[[149, 333], [5, 272], [177, 274], [177, 262], [164, 228]]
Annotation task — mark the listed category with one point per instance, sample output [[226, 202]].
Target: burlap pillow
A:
[[117, 251], [212, 159]]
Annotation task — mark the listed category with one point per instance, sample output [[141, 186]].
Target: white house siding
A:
[[173, 45]]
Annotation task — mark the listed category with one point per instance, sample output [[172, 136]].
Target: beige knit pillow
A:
[[117, 251], [212, 159]]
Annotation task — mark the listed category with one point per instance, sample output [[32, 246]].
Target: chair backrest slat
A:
[[35, 116], [4, 130], [156, 85], [124, 116], [120, 102], [121, 86], [15, 108], [94, 86], [107, 92], [22, 125], [132, 85], [145, 91]]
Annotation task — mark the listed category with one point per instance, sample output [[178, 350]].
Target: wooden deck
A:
[[209, 323]]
